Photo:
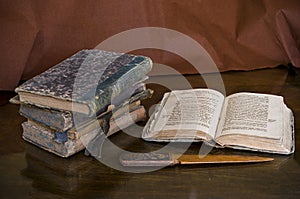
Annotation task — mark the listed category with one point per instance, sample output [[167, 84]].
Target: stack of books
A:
[[93, 90]]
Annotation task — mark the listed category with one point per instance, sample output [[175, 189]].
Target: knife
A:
[[169, 159]]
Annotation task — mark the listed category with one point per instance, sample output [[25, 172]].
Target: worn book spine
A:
[[119, 120], [110, 89], [63, 120], [45, 139], [59, 120], [92, 78], [67, 143]]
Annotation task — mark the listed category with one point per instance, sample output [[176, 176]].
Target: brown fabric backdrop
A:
[[238, 34]]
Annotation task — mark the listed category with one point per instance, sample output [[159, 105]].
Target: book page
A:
[[288, 141], [252, 114], [194, 109]]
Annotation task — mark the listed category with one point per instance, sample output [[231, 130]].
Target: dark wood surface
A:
[[29, 172]]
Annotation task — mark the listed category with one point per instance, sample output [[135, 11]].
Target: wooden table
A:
[[29, 172]]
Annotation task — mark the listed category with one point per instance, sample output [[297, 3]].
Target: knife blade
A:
[[169, 159]]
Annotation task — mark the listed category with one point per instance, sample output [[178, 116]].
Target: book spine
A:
[[117, 122], [108, 90], [58, 120], [44, 138], [126, 120]]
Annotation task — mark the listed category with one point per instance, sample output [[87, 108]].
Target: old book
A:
[[62, 145], [250, 121], [121, 118], [63, 120], [85, 82]]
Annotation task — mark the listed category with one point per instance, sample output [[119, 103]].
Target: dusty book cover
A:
[[63, 120], [86, 81], [67, 143]]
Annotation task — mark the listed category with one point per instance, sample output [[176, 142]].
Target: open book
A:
[[258, 122]]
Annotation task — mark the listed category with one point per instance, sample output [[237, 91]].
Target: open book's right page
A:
[[258, 122]]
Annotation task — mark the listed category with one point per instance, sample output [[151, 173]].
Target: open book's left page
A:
[[185, 115]]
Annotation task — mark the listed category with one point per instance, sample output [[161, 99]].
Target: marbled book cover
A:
[[90, 77]]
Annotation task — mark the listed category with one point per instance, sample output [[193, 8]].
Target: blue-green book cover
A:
[[63, 120], [85, 82]]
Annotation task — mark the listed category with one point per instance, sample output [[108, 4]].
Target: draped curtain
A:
[[237, 34]]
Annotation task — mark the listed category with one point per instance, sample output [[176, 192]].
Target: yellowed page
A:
[[186, 111], [252, 114]]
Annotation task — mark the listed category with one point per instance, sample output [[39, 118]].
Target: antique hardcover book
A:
[[250, 121], [63, 120], [85, 82], [67, 143]]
